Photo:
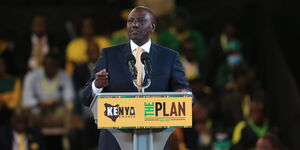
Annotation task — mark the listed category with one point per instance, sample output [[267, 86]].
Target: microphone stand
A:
[[142, 88], [142, 138]]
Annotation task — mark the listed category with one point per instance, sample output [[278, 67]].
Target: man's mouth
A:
[[134, 32]]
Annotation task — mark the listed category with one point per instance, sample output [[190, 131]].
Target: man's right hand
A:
[[101, 79]]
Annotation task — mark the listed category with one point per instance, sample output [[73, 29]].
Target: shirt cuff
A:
[[96, 90]]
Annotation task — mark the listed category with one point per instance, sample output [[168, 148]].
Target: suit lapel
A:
[[154, 55], [122, 58], [10, 138]]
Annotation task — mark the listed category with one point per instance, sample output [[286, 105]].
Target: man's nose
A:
[[136, 24]]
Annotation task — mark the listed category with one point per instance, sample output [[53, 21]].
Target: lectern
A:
[[142, 120]]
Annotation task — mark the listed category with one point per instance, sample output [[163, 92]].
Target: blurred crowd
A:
[[41, 78]]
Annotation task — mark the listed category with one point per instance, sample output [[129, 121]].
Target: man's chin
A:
[[135, 39]]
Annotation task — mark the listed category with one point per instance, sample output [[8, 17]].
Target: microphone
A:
[[130, 59], [145, 58]]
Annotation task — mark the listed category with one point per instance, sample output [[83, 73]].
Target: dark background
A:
[[208, 16]]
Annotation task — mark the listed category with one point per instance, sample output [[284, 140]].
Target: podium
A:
[[142, 120]]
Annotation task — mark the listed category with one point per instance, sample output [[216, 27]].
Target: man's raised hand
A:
[[101, 79]]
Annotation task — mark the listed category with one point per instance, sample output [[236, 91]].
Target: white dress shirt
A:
[[16, 141], [37, 87], [35, 42], [145, 47]]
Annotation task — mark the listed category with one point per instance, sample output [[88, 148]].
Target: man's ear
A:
[[153, 26]]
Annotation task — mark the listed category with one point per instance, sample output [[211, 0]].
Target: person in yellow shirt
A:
[[76, 49]]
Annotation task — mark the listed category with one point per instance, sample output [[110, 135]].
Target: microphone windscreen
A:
[[130, 57], [145, 56]]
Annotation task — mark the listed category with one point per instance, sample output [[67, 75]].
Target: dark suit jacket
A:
[[23, 52], [167, 75], [34, 139], [80, 76]]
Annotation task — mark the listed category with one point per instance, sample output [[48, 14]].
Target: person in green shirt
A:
[[179, 32], [247, 132]]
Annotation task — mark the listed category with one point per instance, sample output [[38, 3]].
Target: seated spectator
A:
[[268, 142], [247, 132], [180, 31], [200, 136], [220, 45], [201, 91], [49, 92], [235, 103], [34, 46], [10, 92], [225, 72], [19, 135], [189, 60], [76, 49]]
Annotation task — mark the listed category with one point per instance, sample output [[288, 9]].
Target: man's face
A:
[[180, 24], [39, 25], [256, 113], [20, 120], [88, 27], [230, 31], [189, 49], [51, 67], [140, 25]]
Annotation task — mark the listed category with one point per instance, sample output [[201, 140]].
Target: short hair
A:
[[149, 10], [51, 56], [39, 14]]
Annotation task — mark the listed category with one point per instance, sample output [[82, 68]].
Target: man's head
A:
[[180, 21], [140, 25], [189, 50], [268, 142], [51, 65], [229, 30], [20, 119], [87, 27], [257, 111], [200, 113], [39, 25], [243, 78]]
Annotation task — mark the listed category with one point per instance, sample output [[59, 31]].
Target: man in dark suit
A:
[[19, 135], [32, 47], [111, 73]]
